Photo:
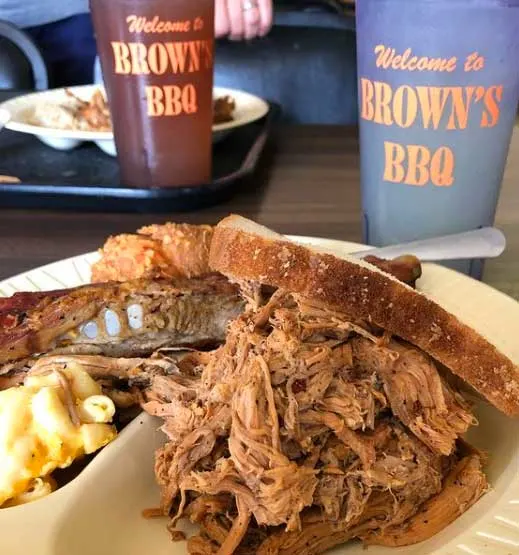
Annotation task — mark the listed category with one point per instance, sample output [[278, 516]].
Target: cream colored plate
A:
[[18, 111], [99, 513]]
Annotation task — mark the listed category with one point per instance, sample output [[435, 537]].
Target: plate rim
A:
[[262, 108]]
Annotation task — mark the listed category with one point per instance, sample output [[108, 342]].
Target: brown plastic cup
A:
[[157, 63]]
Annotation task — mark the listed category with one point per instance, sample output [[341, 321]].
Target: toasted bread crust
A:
[[367, 293]]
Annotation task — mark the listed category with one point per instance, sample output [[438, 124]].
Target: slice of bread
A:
[[244, 250]]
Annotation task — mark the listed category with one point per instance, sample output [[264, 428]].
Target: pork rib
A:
[[122, 319]]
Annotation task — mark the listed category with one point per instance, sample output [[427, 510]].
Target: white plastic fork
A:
[[487, 242]]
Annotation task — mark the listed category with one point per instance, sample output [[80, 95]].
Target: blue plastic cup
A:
[[438, 95]]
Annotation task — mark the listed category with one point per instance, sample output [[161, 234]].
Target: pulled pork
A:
[[305, 430]]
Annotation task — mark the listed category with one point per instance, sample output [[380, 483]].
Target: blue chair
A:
[[22, 66]]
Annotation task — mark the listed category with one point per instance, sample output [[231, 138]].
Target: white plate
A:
[[98, 513], [18, 111]]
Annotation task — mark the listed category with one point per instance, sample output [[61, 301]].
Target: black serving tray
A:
[[88, 179]]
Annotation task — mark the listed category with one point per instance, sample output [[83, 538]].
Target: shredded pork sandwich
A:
[[307, 429]]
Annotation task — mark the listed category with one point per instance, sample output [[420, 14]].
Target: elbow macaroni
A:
[[95, 436], [37, 434], [97, 408]]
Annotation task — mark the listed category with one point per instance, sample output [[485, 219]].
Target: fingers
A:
[[221, 19], [252, 20], [236, 19], [266, 17], [243, 19]]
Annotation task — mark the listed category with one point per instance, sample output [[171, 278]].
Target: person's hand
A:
[[242, 19]]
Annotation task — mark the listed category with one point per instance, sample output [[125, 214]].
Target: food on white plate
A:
[[41, 335], [331, 410], [76, 114], [223, 109], [108, 330], [73, 113], [105, 330], [182, 250], [330, 413], [54, 418]]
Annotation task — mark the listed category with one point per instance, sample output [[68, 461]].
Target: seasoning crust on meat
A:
[[155, 251]]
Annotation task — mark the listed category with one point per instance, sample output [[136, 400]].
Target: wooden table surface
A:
[[312, 189]]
